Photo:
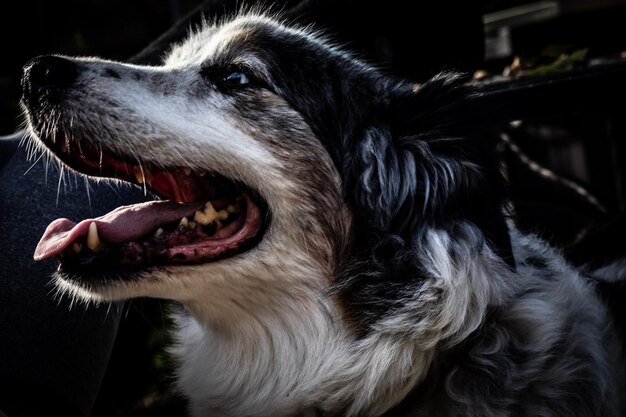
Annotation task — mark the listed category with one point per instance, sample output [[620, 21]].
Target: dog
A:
[[338, 239]]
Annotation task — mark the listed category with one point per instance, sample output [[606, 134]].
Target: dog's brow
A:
[[253, 62]]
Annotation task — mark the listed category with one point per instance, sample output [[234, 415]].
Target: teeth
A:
[[139, 175], [232, 208], [208, 214], [93, 240], [142, 175], [187, 170], [186, 224], [147, 176], [77, 247], [159, 233]]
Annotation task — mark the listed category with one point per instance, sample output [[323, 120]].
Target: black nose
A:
[[47, 73]]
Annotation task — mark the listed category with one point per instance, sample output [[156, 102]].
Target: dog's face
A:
[[282, 166], [246, 186]]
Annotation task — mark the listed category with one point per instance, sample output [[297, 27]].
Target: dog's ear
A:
[[426, 162], [382, 178], [423, 166]]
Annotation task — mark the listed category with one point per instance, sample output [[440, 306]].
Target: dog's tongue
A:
[[121, 225]]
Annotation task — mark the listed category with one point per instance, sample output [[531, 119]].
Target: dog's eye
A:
[[236, 79], [231, 78]]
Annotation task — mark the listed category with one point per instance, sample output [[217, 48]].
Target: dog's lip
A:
[[180, 184]]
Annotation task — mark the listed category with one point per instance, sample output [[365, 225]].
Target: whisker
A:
[[34, 163], [61, 179], [88, 189]]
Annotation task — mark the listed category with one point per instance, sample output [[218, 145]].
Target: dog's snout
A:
[[47, 73]]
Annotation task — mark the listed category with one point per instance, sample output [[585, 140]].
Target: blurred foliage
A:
[[552, 59]]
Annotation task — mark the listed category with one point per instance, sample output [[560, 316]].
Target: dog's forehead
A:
[[246, 37]]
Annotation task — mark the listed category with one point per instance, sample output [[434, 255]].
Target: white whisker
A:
[[34, 163]]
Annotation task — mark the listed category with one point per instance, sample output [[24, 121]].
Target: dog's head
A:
[[282, 166]]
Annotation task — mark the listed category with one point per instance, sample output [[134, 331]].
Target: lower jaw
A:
[[117, 260]]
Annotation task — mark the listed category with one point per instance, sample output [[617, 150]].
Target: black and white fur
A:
[[389, 281]]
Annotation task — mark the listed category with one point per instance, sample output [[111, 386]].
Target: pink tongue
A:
[[121, 225]]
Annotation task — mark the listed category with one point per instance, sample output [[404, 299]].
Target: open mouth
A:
[[201, 217]]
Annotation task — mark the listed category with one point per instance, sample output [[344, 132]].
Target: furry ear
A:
[[382, 178], [398, 182], [426, 163], [423, 169]]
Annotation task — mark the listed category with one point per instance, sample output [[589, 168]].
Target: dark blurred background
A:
[[556, 76], [113, 29]]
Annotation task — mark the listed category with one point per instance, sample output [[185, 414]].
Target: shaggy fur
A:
[[388, 281]]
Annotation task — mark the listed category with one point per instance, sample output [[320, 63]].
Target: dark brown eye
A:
[[231, 78]]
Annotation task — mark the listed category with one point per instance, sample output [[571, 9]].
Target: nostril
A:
[[47, 72]]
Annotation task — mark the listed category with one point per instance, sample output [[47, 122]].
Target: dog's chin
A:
[[96, 286], [118, 285], [181, 283]]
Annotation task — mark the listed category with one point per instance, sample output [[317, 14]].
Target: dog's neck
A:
[[292, 360], [265, 362], [284, 350]]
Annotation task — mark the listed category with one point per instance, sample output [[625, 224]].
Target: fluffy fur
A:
[[388, 281]]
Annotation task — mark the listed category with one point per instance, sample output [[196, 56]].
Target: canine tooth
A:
[[93, 240], [147, 176], [142, 175], [184, 223], [159, 233], [139, 175], [222, 214], [187, 170], [77, 247]]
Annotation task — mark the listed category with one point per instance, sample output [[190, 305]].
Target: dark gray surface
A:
[[8, 145], [52, 358]]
